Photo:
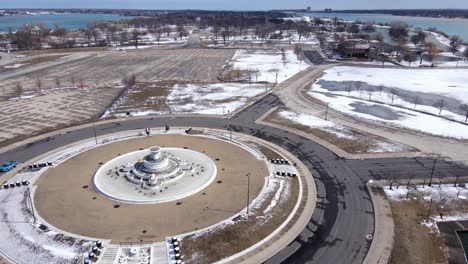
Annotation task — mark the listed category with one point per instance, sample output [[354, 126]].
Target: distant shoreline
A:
[[393, 16], [414, 13]]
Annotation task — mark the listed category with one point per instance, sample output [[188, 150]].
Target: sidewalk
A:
[[382, 242]]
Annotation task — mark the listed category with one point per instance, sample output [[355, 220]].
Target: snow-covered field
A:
[[266, 61], [216, 99], [375, 145], [427, 85], [449, 82]]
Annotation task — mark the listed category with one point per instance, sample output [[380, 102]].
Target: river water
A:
[[451, 26], [68, 21], [76, 21]]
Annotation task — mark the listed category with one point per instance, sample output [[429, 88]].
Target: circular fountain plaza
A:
[[155, 175], [131, 187]]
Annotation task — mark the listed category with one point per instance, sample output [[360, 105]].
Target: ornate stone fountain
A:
[[156, 169]]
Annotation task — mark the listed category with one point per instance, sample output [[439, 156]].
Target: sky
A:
[[235, 5]]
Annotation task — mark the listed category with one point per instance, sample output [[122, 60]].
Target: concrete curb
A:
[[284, 235], [102, 122], [381, 247]]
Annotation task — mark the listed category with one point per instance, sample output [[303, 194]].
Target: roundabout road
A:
[[337, 231]]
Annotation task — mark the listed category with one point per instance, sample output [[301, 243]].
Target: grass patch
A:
[[354, 142], [349, 145], [414, 242], [243, 232], [417, 239], [147, 96]]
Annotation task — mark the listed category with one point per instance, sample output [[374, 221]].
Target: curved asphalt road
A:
[[344, 214]]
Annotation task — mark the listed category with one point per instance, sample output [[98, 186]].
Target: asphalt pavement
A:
[[343, 217]]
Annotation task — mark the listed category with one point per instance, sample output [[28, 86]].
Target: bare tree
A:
[[349, 88], [380, 38], [440, 205], [284, 58], [455, 43], [276, 72], [393, 94], [370, 91], [257, 73], [392, 181], [73, 80], [380, 88], [408, 186], [409, 57], [300, 55], [158, 33], [457, 176], [129, 81], [136, 37], [431, 50], [383, 58], [440, 104], [57, 82], [19, 90], [38, 84], [416, 100], [358, 86], [123, 36], [464, 109]]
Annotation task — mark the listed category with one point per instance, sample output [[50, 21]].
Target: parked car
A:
[[8, 166]]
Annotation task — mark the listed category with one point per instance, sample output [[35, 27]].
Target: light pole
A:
[[95, 136], [248, 193], [432, 172], [229, 127], [326, 112]]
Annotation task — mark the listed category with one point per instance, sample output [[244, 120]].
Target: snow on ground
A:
[[25, 241], [318, 123], [445, 41], [266, 61], [276, 198], [451, 85], [394, 116], [447, 193], [213, 99], [448, 82], [14, 66], [385, 97], [133, 47], [375, 145]]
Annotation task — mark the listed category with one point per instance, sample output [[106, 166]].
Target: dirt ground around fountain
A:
[[66, 199]]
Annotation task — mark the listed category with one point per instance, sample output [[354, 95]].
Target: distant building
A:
[[309, 9], [355, 49], [328, 10]]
